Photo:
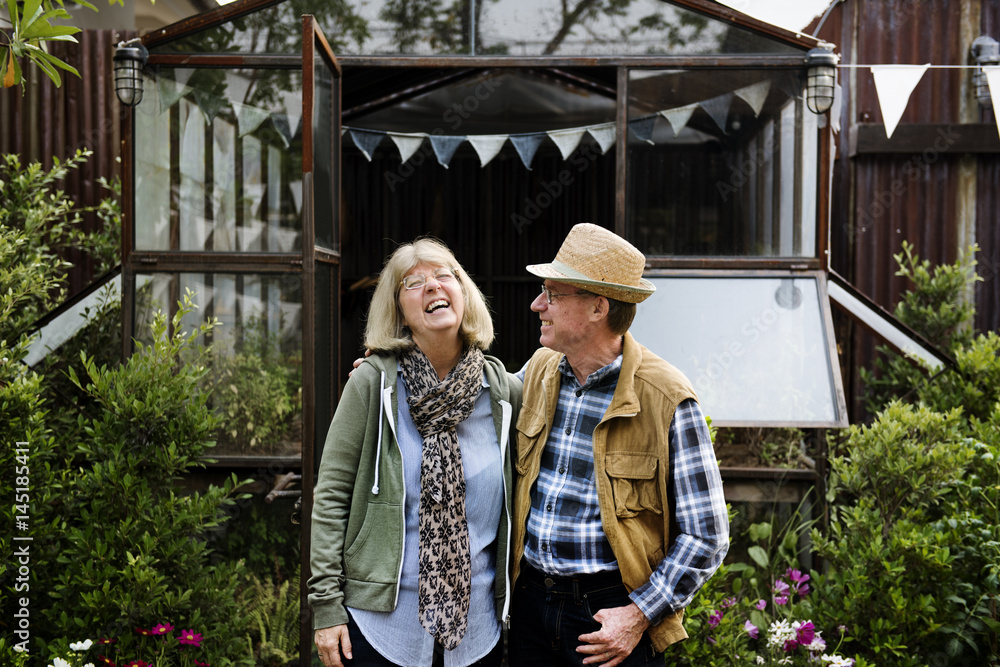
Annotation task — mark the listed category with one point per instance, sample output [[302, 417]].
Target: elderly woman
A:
[[412, 505]]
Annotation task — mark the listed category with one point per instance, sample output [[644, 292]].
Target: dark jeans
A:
[[365, 654], [548, 615]]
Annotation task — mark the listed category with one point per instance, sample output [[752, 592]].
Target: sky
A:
[[789, 14]]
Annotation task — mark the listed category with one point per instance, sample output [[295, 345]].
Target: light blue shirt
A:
[[398, 635]]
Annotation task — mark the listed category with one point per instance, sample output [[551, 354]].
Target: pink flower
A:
[[711, 640], [144, 632], [780, 587], [790, 645], [715, 618], [199, 663], [799, 585], [805, 632], [162, 629], [190, 638], [781, 600], [751, 629], [728, 602], [761, 604]]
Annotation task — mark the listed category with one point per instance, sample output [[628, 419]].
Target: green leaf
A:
[[758, 555], [31, 12]]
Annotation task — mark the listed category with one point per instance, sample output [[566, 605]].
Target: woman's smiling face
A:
[[437, 307]]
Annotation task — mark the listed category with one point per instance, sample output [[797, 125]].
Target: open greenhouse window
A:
[[759, 348]]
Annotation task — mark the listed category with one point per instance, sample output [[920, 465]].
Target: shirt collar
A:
[[607, 375]]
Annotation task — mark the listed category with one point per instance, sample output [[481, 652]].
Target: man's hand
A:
[[358, 362], [330, 642], [621, 630]]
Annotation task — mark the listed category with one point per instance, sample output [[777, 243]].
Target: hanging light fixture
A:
[[986, 52], [821, 78], [130, 58]]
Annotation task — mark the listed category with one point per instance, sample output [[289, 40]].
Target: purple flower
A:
[[751, 629], [728, 602], [761, 604], [780, 587], [715, 618], [804, 632], [711, 640], [790, 645], [799, 585], [781, 600]]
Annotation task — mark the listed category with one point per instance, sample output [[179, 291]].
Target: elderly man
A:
[[619, 515]]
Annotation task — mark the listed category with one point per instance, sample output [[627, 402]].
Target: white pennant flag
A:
[[249, 118], [604, 134], [679, 117], [487, 146], [407, 144], [755, 95], [894, 84], [567, 140], [993, 77]]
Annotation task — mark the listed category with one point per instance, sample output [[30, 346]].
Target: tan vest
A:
[[631, 457]]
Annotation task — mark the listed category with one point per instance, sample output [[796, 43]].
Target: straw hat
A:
[[599, 261]]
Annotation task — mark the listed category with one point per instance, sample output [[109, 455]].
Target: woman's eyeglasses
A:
[[417, 280]]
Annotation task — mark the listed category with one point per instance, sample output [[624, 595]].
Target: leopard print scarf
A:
[[437, 407]]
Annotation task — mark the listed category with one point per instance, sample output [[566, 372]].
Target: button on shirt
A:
[[398, 635], [564, 531]]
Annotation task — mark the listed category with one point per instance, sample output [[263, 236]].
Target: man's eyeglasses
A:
[[417, 280], [550, 295]]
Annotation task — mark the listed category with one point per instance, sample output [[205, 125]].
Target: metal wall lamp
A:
[[821, 78], [130, 58], [985, 51]]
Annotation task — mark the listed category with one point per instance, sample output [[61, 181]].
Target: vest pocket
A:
[[529, 428], [633, 483]]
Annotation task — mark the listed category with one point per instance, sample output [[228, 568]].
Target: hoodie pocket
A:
[[371, 555], [633, 483]]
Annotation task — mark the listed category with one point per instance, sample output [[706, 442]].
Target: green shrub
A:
[[273, 610], [128, 548]]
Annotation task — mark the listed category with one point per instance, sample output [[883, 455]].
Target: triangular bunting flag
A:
[[567, 140], [407, 144], [526, 146], [487, 146], [211, 104], [993, 78], [893, 85], [718, 109], [642, 128], [293, 111], [445, 147], [150, 97], [280, 123], [249, 118], [604, 134], [838, 105], [170, 92], [236, 86], [366, 141], [755, 95], [679, 117]]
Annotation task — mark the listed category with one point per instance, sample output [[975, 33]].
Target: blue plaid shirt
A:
[[564, 532]]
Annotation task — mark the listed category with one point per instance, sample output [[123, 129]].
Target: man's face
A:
[[567, 324]]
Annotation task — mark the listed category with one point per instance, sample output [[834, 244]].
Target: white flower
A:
[[59, 662], [779, 633], [837, 661], [818, 644], [89, 664], [82, 646], [760, 660], [20, 649]]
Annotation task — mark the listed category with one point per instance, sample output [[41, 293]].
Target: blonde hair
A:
[[385, 330]]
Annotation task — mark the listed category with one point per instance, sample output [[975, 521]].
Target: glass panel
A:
[[324, 189], [218, 164], [721, 164], [755, 348], [503, 27], [256, 357]]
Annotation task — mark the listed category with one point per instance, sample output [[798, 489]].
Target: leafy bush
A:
[[130, 549], [900, 527], [938, 308], [274, 613]]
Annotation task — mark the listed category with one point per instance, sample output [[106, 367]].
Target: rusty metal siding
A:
[[47, 122]]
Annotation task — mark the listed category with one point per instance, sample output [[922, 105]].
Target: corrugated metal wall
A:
[[937, 201], [45, 122]]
